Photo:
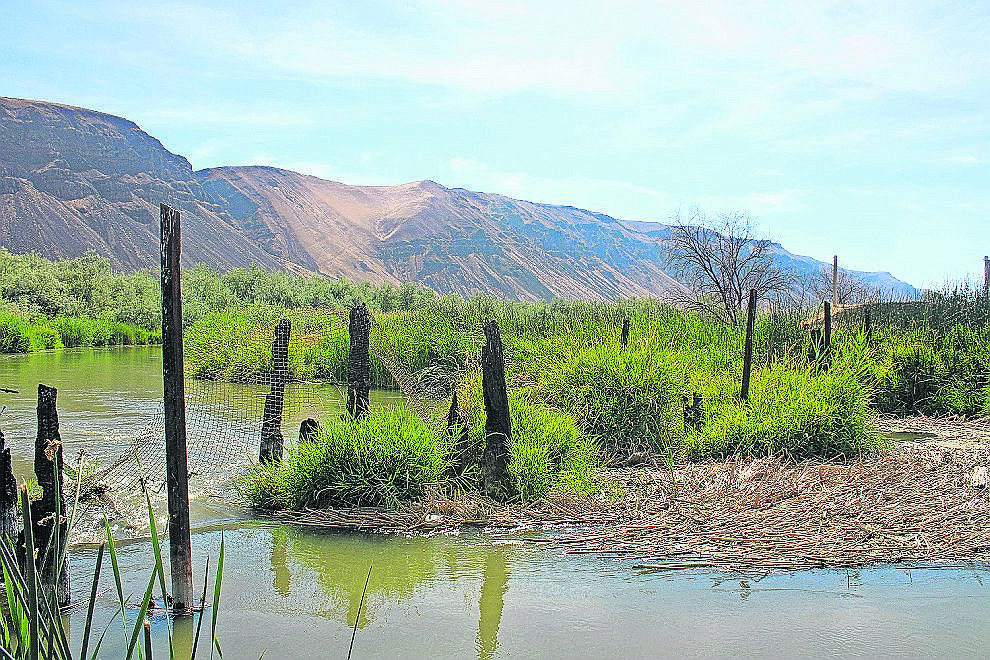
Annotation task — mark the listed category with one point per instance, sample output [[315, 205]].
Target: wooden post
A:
[[48, 468], [835, 280], [748, 355], [309, 429], [827, 347], [8, 493], [498, 423], [986, 275], [272, 442], [176, 460], [625, 333], [359, 361], [868, 323]]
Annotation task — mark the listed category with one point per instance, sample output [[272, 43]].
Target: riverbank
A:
[[924, 501]]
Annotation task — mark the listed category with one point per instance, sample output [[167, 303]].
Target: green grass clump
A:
[[792, 410], [387, 457], [624, 399]]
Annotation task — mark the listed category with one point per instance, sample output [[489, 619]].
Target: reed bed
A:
[[919, 503]]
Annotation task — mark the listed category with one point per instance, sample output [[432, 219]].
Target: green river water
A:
[[290, 592]]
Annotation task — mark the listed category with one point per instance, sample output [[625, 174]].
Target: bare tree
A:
[[850, 289], [718, 259]]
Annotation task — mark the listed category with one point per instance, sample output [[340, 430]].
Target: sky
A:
[[856, 128]]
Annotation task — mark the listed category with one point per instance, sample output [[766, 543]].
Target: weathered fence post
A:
[[176, 460], [748, 354], [835, 280], [272, 442], [48, 466], [868, 323], [624, 339], [986, 275], [8, 493], [827, 347], [498, 423], [359, 361], [309, 429]]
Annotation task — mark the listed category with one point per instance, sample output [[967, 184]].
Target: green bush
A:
[[15, 336], [387, 457], [625, 400]]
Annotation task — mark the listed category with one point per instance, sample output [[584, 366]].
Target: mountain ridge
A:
[[74, 179]]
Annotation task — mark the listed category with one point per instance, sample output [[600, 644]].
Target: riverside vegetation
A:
[[578, 398]]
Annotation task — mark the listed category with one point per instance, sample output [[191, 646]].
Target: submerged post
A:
[[8, 493], [498, 424], [359, 361], [748, 354], [176, 460], [272, 442], [625, 333]]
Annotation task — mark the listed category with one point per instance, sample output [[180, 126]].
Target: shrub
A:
[[14, 334]]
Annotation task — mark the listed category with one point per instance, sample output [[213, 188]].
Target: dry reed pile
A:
[[919, 503]]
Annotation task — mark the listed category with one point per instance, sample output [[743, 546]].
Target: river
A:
[[294, 593]]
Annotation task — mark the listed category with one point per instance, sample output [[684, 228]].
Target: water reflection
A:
[[492, 600]]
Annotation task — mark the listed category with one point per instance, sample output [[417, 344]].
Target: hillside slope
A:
[[73, 180]]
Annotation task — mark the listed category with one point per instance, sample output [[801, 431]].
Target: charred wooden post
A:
[[827, 339], [986, 275], [309, 429], [49, 537], [272, 442], [868, 324], [176, 459], [498, 424], [625, 333], [359, 362], [694, 412], [458, 432], [8, 493], [748, 354]]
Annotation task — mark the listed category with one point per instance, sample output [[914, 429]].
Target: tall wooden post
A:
[[624, 339], [986, 275], [176, 464], [498, 423], [272, 442], [359, 361], [8, 493], [748, 354], [835, 280], [868, 323]]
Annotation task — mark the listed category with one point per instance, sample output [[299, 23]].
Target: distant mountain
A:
[[73, 180], [803, 266]]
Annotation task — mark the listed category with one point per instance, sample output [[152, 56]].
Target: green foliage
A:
[[793, 410], [387, 457], [626, 400]]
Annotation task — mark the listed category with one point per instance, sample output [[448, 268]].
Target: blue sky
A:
[[861, 129]]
